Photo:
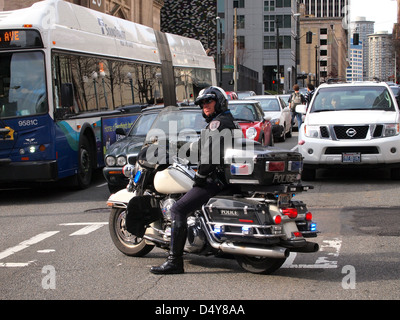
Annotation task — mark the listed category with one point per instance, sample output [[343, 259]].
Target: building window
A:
[[269, 42], [240, 42], [284, 42], [238, 3], [269, 23], [240, 22], [283, 3], [284, 21], [269, 5]]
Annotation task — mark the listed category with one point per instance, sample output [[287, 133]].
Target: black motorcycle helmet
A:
[[217, 94]]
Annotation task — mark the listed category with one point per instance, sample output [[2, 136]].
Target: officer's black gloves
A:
[[200, 180]]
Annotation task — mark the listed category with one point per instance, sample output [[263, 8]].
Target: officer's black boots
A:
[[174, 263]]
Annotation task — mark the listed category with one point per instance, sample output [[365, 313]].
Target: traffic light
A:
[[356, 39], [309, 37]]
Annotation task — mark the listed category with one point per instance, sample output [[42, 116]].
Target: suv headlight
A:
[[312, 131], [251, 133], [391, 130]]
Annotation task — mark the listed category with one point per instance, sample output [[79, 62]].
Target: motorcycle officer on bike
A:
[[209, 179]]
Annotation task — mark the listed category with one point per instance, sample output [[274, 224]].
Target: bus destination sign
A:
[[16, 39]]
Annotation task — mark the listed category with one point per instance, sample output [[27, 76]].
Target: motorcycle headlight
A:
[[110, 161], [121, 161], [128, 170], [251, 133]]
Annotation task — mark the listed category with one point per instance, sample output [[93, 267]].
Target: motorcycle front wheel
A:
[[126, 242], [259, 265]]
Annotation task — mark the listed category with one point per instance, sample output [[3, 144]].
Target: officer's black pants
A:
[[192, 201]]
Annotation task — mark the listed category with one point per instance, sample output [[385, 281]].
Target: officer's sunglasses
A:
[[206, 101]]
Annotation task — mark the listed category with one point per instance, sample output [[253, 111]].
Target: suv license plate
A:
[[351, 157]]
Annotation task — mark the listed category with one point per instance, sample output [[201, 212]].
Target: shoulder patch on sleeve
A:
[[214, 125]]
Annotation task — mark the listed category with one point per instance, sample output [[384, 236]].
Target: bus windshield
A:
[[22, 84]]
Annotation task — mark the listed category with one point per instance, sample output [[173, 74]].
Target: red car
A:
[[231, 95], [250, 116]]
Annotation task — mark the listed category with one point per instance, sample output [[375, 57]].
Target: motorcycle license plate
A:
[[283, 200], [351, 157]]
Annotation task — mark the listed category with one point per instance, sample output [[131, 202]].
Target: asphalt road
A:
[[55, 245]]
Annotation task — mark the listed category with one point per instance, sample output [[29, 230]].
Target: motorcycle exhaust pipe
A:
[[309, 247], [228, 247], [273, 252]]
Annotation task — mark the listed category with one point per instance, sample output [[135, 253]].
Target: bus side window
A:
[[67, 95]]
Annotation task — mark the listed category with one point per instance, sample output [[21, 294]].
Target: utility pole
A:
[[235, 53], [220, 50], [277, 55]]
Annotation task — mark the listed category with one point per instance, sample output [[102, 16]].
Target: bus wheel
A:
[[85, 164]]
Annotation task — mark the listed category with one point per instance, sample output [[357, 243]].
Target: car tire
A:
[[283, 136], [85, 164], [308, 174], [290, 132], [395, 173]]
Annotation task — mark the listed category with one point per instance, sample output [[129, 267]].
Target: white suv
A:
[[350, 124]]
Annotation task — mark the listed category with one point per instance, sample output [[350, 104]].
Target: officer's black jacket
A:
[[214, 140]]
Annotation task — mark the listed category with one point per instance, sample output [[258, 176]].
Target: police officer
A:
[[209, 179]]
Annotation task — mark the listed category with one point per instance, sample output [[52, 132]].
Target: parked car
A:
[[232, 95], [351, 125], [244, 94], [277, 110], [152, 117], [285, 99], [250, 116]]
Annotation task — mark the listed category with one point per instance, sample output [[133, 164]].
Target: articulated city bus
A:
[[70, 75]]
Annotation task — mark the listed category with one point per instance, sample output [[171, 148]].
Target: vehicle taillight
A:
[[290, 212], [275, 166], [277, 219], [308, 216]]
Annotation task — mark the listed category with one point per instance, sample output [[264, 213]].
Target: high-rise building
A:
[[364, 28], [326, 8], [381, 56], [355, 71], [327, 56]]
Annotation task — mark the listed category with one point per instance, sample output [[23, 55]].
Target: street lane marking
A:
[[89, 227], [23, 245], [16, 264], [331, 248], [46, 251]]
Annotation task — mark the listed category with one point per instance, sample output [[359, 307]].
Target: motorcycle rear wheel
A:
[[259, 265], [126, 242]]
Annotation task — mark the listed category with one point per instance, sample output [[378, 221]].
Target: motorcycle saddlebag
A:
[[141, 211], [262, 166], [237, 210]]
